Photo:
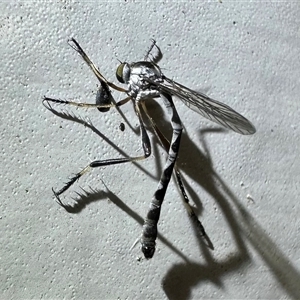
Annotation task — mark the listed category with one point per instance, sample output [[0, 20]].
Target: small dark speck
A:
[[234, 22], [122, 127]]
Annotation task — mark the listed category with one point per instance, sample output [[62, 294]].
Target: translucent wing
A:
[[207, 107]]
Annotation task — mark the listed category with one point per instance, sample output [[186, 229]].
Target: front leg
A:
[[75, 45]]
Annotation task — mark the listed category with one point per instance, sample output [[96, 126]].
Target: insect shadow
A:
[[179, 281], [182, 278], [87, 123], [85, 197]]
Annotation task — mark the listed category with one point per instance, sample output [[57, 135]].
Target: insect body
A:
[[145, 80], [139, 76]]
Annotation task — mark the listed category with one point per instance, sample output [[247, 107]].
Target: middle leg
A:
[[100, 163]]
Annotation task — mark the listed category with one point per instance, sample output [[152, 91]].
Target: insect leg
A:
[[74, 44], [150, 224], [104, 97], [166, 144], [155, 57], [85, 105], [107, 162]]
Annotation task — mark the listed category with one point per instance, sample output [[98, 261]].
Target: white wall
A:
[[245, 188]]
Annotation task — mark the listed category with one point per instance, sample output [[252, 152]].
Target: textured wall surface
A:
[[243, 188]]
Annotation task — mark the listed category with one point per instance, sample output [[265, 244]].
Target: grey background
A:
[[244, 188]]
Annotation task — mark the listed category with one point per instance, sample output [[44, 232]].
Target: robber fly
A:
[[144, 80]]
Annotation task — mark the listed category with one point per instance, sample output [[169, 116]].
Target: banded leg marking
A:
[[149, 234], [166, 144]]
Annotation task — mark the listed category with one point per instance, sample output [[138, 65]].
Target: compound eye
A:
[[119, 72], [123, 72]]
